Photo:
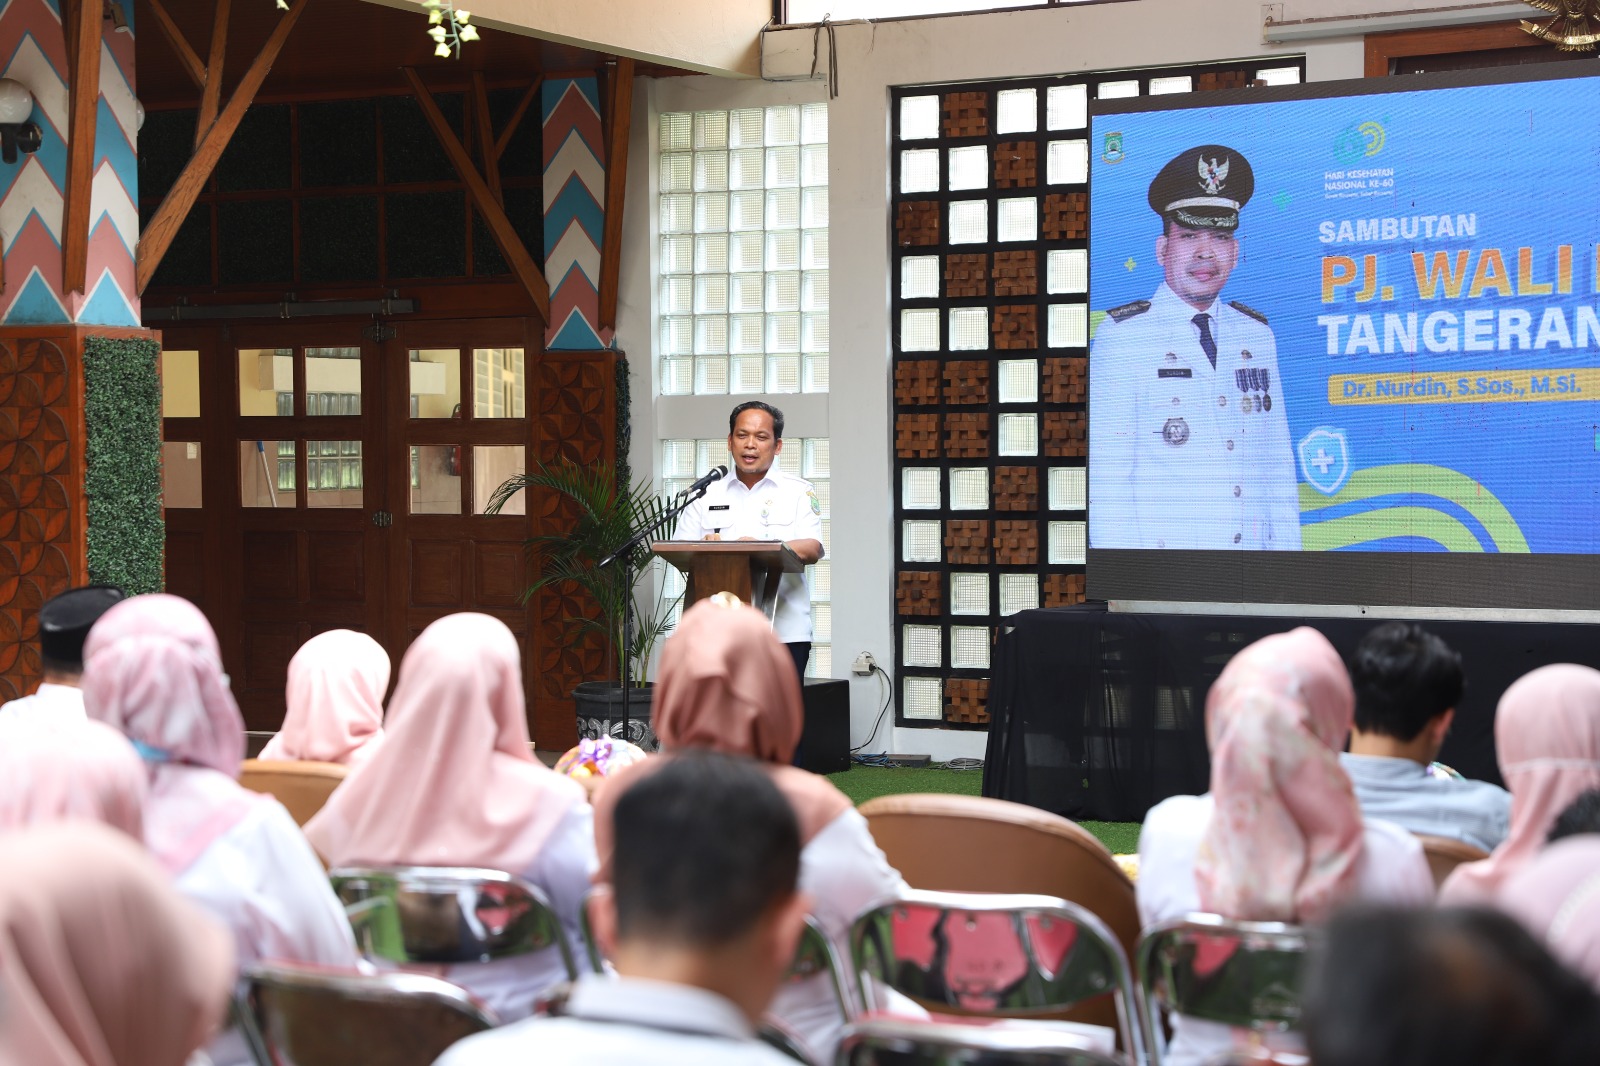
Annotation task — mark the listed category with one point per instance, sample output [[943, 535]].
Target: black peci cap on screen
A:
[[1204, 188], [64, 621]]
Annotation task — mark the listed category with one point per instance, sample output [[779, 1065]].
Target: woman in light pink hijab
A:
[[1556, 896], [101, 962], [1279, 837], [87, 771], [335, 701], [152, 669], [1547, 739], [455, 784], [727, 684]]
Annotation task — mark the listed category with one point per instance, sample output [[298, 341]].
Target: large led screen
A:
[[1347, 322]]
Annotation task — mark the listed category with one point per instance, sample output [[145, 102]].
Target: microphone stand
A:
[[624, 555]]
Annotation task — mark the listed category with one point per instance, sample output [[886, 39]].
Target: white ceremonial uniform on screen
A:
[[1181, 454], [51, 705], [779, 507]]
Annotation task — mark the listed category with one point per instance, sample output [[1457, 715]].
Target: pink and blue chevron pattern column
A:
[[33, 51], [574, 212]]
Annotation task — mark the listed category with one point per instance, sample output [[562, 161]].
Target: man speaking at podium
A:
[[761, 502]]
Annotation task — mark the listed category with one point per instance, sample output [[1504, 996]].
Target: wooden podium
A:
[[737, 566]]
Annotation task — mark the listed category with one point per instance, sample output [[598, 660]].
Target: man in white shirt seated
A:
[[64, 622], [1407, 684], [701, 923]]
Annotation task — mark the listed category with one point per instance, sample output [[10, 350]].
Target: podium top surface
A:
[[772, 554]]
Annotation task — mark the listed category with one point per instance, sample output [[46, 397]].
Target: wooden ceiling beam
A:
[[619, 117], [211, 92], [485, 136], [83, 19], [516, 118], [164, 224], [494, 216], [187, 58]]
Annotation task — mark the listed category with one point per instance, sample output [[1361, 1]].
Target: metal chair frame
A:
[[370, 896], [1256, 939], [1119, 982], [408, 990]]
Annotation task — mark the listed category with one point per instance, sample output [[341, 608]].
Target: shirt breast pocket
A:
[[778, 515]]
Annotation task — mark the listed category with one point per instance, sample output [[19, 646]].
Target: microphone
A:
[[716, 473]]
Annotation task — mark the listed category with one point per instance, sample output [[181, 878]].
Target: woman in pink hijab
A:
[[1556, 896], [335, 701], [455, 784], [84, 771], [1547, 739], [101, 962], [1280, 837], [726, 683], [152, 669]]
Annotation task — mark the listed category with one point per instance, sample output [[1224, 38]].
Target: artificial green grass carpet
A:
[[862, 783]]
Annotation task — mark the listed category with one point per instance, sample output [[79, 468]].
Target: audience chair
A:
[[993, 956], [1243, 974], [302, 787], [447, 915], [1445, 854], [893, 1042], [301, 1016], [814, 960]]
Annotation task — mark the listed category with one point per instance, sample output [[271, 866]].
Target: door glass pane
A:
[[491, 466], [266, 381], [180, 474], [435, 383], [333, 473], [497, 383], [266, 473], [180, 385], [333, 382], [436, 478]]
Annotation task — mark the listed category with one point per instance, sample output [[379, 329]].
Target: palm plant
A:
[[609, 515]]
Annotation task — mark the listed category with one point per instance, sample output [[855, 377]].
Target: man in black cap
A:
[[64, 623], [1189, 443]]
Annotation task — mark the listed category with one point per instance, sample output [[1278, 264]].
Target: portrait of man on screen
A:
[[1189, 437]]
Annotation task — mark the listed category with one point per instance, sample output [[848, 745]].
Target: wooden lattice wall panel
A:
[[966, 542], [1016, 273], [966, 114], [1016, 327], [1063, 590], [917, 592], [917, 222], [967, 700], [1016, 488], [1065, 216], [1223, 79], [1065, 433], [1064, 380], [966, 435], [916, 382], [1016, 542], [966, 275], [916, 436], [966, 381], [1016, 165]]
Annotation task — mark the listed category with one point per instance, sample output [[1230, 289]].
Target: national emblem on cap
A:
[[1203, 188]]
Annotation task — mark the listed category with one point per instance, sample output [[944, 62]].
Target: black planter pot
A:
[[600, 702]]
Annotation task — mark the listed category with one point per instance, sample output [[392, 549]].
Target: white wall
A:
[[856, 413]]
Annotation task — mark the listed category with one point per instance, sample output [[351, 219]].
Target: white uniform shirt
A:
[[1392, 869], [779, 507], [624, 1022], [51, 705], [1181, 454]]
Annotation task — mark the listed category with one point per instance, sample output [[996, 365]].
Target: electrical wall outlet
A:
[[864, 665]]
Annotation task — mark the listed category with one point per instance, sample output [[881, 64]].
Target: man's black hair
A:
[[757, 405], [1404, 676], [705, 846], [1447, 987], [1582, 815]]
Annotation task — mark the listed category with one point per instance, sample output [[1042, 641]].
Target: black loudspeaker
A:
[[825, 744]]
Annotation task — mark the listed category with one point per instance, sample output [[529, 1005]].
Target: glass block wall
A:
[[683, 460], [743, 218], [989, 199]]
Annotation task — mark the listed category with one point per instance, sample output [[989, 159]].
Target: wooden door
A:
[[459, 426]]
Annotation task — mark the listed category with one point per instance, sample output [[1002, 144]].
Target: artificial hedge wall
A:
[[624, 421], [122, 472]]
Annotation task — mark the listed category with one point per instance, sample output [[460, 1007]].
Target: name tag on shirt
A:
[[1174, 372], [718, 507]]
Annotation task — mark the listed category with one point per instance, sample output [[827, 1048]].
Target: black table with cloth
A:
[[1100, 715]]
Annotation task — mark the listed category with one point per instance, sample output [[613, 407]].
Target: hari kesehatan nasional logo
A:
[[1359, 141]]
